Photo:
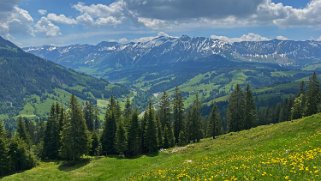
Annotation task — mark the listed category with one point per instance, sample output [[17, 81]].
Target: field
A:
[[284, 151]]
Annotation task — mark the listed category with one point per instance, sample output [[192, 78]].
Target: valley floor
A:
[[284, 151]]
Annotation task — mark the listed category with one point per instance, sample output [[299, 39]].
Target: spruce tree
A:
[[144, 132], [151, 132], [297, 111], [160, 135], [215, 124], [313, 96], [134, 136], [20, 156], [52, 140], [250, 109], [196, 127], [164, 111], [178, 107], [127, 114], [75, 135], [236, 110], [22, 131], [95, 149], [121, 139], [109, 132], [89, 116], [189, 126], [169, 140], [4, 157], [62, 118], [96, 119]]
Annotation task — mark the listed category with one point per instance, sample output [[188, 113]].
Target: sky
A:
[[64, 22]]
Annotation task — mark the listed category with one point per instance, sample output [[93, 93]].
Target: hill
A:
[[284, 151], [28, 81]]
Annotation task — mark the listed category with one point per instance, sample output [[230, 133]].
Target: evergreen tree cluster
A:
[[308, 100], [305, 103], [73, 131], [15, 152], [241, 111]]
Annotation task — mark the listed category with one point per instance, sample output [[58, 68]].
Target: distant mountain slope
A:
[[23, 74], [164, 50], [283, 151], [204, 65]]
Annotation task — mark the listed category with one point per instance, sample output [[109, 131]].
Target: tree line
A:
[[73, 131]]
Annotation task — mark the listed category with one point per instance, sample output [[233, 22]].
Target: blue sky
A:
[[62, 22]]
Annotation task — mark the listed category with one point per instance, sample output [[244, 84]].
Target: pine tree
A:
[[89, 116], [215, 122], [196, 127], [22, 131], [236, 110], [4, 157], [313, 96], [151, 132], [250, 109], [75, 135], [134, 136], [52, 140], [109, 132], [178, 114]]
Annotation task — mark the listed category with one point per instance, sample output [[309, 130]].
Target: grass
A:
[[284, 151]]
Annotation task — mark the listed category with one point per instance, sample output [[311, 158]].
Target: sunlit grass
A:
[[284, 151]]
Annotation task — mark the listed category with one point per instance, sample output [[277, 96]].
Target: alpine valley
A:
[[194, 64]]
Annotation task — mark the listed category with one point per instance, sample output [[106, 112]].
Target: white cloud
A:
[[100, 14], [176, 15], [159, 15], [42, 12], [108, 21], [308, 16], [280, 37], [85, 19], [62, 19], [245, 37], [319, 39], [46, 26], [151, 23], [15, 21]]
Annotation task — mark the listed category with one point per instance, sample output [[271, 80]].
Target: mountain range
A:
[[166, 49]]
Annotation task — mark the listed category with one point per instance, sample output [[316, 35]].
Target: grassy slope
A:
[[289, 150]]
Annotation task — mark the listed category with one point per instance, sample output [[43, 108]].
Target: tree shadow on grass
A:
[[68, 166], [152, 154]]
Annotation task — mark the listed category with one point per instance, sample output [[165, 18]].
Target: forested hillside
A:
[[74, 133], [27, 79]]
